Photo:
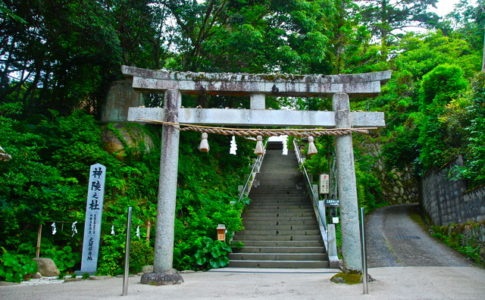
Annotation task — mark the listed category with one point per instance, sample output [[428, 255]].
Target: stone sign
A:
[[92, 226]]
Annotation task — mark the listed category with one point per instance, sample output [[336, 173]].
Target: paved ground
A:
[[394, 239], [427, 283], [415, 267]]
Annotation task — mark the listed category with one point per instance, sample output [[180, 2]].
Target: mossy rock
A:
[[121, 139], [347, 278]]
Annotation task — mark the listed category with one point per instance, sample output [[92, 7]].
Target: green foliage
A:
[[71, 56], [383, 17], [68, 145], [211, 254], [141, 254], [427, 102], [464, 238], [442, 84], [64, 257], [111, 255], [474, 166], [13, 267], [369, 190]]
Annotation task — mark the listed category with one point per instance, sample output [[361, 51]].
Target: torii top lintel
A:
[[246, 84]]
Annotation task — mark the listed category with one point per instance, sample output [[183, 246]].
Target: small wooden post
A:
[[149, 227], [39, 238]]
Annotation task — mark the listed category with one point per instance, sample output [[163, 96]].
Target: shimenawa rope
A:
[[314, 132]]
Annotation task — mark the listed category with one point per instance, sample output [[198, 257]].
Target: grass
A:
[[453, 237]]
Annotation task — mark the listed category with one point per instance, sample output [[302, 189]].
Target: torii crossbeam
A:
[[257, 86]]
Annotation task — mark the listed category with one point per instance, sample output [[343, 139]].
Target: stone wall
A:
[[398, 187], [448, 201], [121, 96]]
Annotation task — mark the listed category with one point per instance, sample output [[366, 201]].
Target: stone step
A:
[[270, 191], [277, 214], [280, 222], [262, 249], [280, 197], [272, 205], [250, 232], [277, 209], [255, 226], [278, 264], [289, 213], [277, 256], [254, 243], [265, 237], [281, 219], [275, 198], [281, 230], [286, 178], [264, 214], [276, 202]]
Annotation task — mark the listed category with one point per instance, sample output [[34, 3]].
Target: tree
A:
[[55, 56], [254, 36], [388, 18], [468, 22]]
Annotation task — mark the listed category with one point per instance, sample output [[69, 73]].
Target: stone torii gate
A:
[[173, 84]]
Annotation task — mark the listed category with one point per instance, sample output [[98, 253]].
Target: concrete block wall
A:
[[447, 201]]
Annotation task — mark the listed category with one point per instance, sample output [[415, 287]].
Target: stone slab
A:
[[258, 117], [243, 84], [162, 278]]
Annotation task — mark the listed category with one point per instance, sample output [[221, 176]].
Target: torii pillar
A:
[[163, 272], [347, 186]]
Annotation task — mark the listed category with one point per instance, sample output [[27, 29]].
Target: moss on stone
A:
[[283, 77], [352, 277]]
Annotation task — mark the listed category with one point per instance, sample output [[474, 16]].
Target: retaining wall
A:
[[448, 201]]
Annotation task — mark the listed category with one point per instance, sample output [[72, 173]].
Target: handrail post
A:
[[252, 175], [312, 190], [127, 253], [363, 250], [332, 246]]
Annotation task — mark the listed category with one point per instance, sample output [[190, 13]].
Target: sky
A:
[[444, 7]]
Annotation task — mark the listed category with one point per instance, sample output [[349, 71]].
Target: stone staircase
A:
[[280, 226]]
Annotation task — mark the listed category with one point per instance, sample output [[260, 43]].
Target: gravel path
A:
[[395, 240]]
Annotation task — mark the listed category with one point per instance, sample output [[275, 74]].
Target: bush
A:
[[141, 254], [464, 238], [64, 257], [211, 254], [13, 266]]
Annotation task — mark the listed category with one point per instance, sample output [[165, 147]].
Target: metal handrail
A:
[[319, 209], [252, 175]]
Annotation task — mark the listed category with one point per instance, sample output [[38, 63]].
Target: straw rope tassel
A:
[[259, 146], [204, 144], [311, 146]]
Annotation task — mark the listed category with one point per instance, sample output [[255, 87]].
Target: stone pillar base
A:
[[162, 278]]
